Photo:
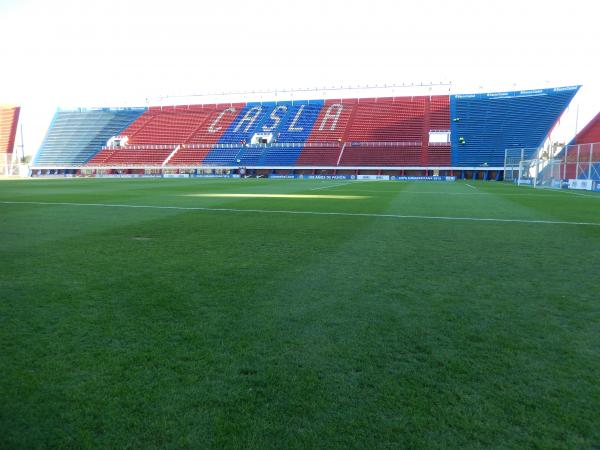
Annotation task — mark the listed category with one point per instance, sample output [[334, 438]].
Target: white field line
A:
[[307, 213], [478, 193], [472, 187], [538, 194], [579, 194], [290, 196], [330, 186]]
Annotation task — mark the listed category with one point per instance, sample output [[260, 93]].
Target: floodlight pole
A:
[[578, 159], [590, 164], [22, 145]]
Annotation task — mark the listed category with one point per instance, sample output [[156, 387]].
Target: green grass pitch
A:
[[375, 321]]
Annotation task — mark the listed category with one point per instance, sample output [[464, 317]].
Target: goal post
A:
[[14, 170], [574, 166], [541, 173], [513, 157]]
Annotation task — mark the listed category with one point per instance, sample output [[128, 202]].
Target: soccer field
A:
[[211, 313]]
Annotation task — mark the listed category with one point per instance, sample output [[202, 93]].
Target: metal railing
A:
[[274, 144], [330, 144], [575, 161], [142, 147]]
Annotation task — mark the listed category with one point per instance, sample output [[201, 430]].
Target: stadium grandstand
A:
[[580, 159], [9, 119], [590, 134], [458, 135]]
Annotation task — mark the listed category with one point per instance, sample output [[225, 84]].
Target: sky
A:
[[78, 53]]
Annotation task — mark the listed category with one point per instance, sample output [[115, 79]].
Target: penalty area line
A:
[[306, 213]]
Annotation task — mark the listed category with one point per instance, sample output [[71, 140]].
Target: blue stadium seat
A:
[[75, 136], [485, 125]]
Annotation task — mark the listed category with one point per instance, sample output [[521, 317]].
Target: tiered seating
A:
[[132, 156], [198, 143], [210, 132], [399, 121], [75, 136], [9, 118], [439, 120], [139, 157], [189, 155], [141, 122], [234, 155], [388, 120], [166, 126], [324, 129], [439, 154], [248, 121], [490, 123], [376, 132], [326, 132], [221, 116], [222, 155], [101, 157], [320, 155], [375, 154], [288, 122], [281, 155], [250, 156], [231, 145], [294, 129]]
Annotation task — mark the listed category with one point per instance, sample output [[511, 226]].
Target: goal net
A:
[[571, 166], [541, 173], [14, 170]]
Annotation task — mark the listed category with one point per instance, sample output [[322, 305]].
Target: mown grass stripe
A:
[[315, 213]]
